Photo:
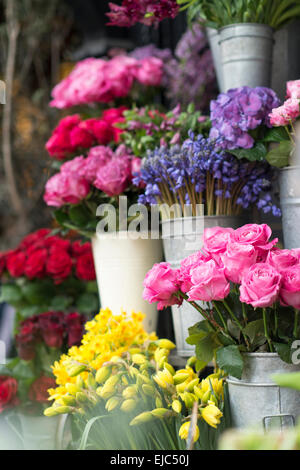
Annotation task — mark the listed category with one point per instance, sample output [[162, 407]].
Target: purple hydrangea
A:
[[179, 167], [238, 112]]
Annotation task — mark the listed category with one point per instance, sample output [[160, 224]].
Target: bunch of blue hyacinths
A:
[[199, 172]]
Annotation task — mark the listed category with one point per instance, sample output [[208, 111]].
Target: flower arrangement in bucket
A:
[[128, 396], [40, 340], [245, 288], [49, 272]]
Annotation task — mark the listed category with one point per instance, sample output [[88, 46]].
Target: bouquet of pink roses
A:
[[247, 290]]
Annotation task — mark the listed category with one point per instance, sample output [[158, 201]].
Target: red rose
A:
[[34, 237], [39, 389], [57, 243], [74, 323], [16, 263], [79, 248], [35, 264], [52, 328], [26, 339], [8, 392], [59, 144], [26, 351], [85, 269], [59, 264], [80, 137], [112, 115], [117, 131]]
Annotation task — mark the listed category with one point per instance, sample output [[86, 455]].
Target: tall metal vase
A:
[[182, 237], [290, 205], [213, 37], [257, 400], [246, 55]]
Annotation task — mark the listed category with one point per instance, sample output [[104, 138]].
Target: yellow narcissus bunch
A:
[[107, 336]]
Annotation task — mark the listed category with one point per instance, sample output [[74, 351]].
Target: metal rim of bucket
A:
[[255, 25]]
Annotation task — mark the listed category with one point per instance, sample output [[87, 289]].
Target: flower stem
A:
[[221, 316], [236, 321], [266, 330]]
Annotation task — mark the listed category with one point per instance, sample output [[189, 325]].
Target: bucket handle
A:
[[279, 416]]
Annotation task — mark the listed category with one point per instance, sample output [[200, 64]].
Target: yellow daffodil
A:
[[212, 415], [184, 431]]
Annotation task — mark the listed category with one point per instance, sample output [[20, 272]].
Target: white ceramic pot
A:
[[121, 265]]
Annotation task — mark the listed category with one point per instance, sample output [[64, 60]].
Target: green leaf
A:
[[205, 348], [61, 302], [290, 380], [284, 351], [61, 216], [230, 360], [10, 293], [199, 327], [79, 216], [279, 156], [256, 153], [276, 134], [38, 293], [88, 303], [254, 329]]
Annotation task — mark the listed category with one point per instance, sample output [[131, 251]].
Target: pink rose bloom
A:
[[237, 259], [87, 83], [114, 177], [160, 285], [293, 89], [76, 166], [282, 259], [260, 285], [290, 287], [186, 267], [97, 158], [150, 71], [208, 283], [256, 235], [291, 107], [278, 117], [65, 188], [215, 241], [120, 75]]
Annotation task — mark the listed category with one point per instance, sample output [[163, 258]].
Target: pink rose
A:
[[291, 107], [208, 282], [286, 113], [65, 188], [278, 117], [113, 115], [97, 158], [150, 71], [256, 235], [293, 89], [186, 267], [282, 259], [74, 166], [215, 241], [114, 177], [237, 259], [290, 287], [260, 285], [160, 285]]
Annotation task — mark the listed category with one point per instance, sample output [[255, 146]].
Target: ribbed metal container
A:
[[213, 37], [246, 55], [290, 205], [182, 237], [257, 400]]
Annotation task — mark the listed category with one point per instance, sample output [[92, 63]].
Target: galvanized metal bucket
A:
[[246, 54], [290, 205], [257, 400], [182, 237], [213, 37]]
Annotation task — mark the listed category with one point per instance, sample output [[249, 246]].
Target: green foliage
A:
[[280, 155], [218, 13], [230, 360]]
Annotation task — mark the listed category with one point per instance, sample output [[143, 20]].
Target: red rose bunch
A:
[[8, 392], [38, 391], [74, 134], [148, 12], [41, 255], [55, 329]]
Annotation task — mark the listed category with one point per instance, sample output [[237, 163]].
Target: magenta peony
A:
[[65, 188]]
